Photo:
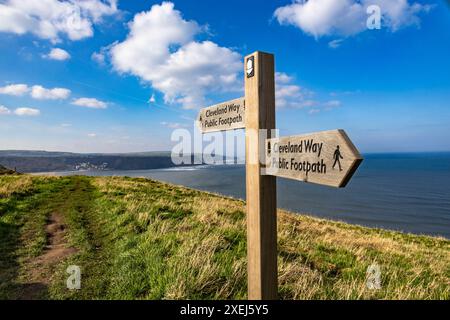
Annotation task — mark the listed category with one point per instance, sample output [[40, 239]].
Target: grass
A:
[[25, 204], [142, 239]]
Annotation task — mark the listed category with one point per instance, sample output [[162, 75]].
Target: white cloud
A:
[[101, 56], [49, 19], [98, 57], [66, 125], [152, 99], [90, 103], [289, 95], [41, 93], [92, 135], [347, 17], [334, 44], [4, 110], [30, 112], [37, 91], [161, 50], [332, 104], [14, 89], [326, 106], [58, 54], [282, 78]]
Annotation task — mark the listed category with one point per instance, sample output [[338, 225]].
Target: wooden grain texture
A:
[[228, 115], [260, 189], [326, 158]]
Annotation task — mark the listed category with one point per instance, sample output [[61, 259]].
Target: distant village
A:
[[87, 166]]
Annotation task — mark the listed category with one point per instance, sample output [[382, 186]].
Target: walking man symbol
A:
[[337, 158]]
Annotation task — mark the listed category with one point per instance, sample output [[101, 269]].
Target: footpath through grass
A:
[[141, 239], [26, 204]]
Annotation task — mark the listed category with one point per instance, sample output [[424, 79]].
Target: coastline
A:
[[401, 200]]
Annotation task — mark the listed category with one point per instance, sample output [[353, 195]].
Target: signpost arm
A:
[[260, 189]]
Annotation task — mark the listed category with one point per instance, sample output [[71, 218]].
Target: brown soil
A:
[[40, 269]]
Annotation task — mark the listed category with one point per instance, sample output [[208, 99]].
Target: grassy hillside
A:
[[141, 239]]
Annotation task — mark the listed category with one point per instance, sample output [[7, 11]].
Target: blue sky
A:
[[389, 88]]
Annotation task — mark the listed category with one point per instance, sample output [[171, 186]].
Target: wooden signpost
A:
[[223, 116], [326, 158], [261, 190]]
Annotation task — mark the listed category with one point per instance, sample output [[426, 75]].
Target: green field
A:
[[142, 239]]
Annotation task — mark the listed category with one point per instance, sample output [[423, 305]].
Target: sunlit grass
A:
[[141, 239]]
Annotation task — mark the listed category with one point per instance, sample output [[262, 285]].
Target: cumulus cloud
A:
[[58, 54], [290, 95], [14, 89], [4, 110], [347, 17], [41, 93], [90, 103], [49, 19], [161, 49], [28, 112], [36, 92]]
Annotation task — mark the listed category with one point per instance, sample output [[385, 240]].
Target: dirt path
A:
[[57, 247], [40, 269], [40, 231]]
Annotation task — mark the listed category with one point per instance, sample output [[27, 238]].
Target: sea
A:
[[408, 192]]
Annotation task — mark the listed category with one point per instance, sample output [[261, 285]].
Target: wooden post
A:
[[261, 189]]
